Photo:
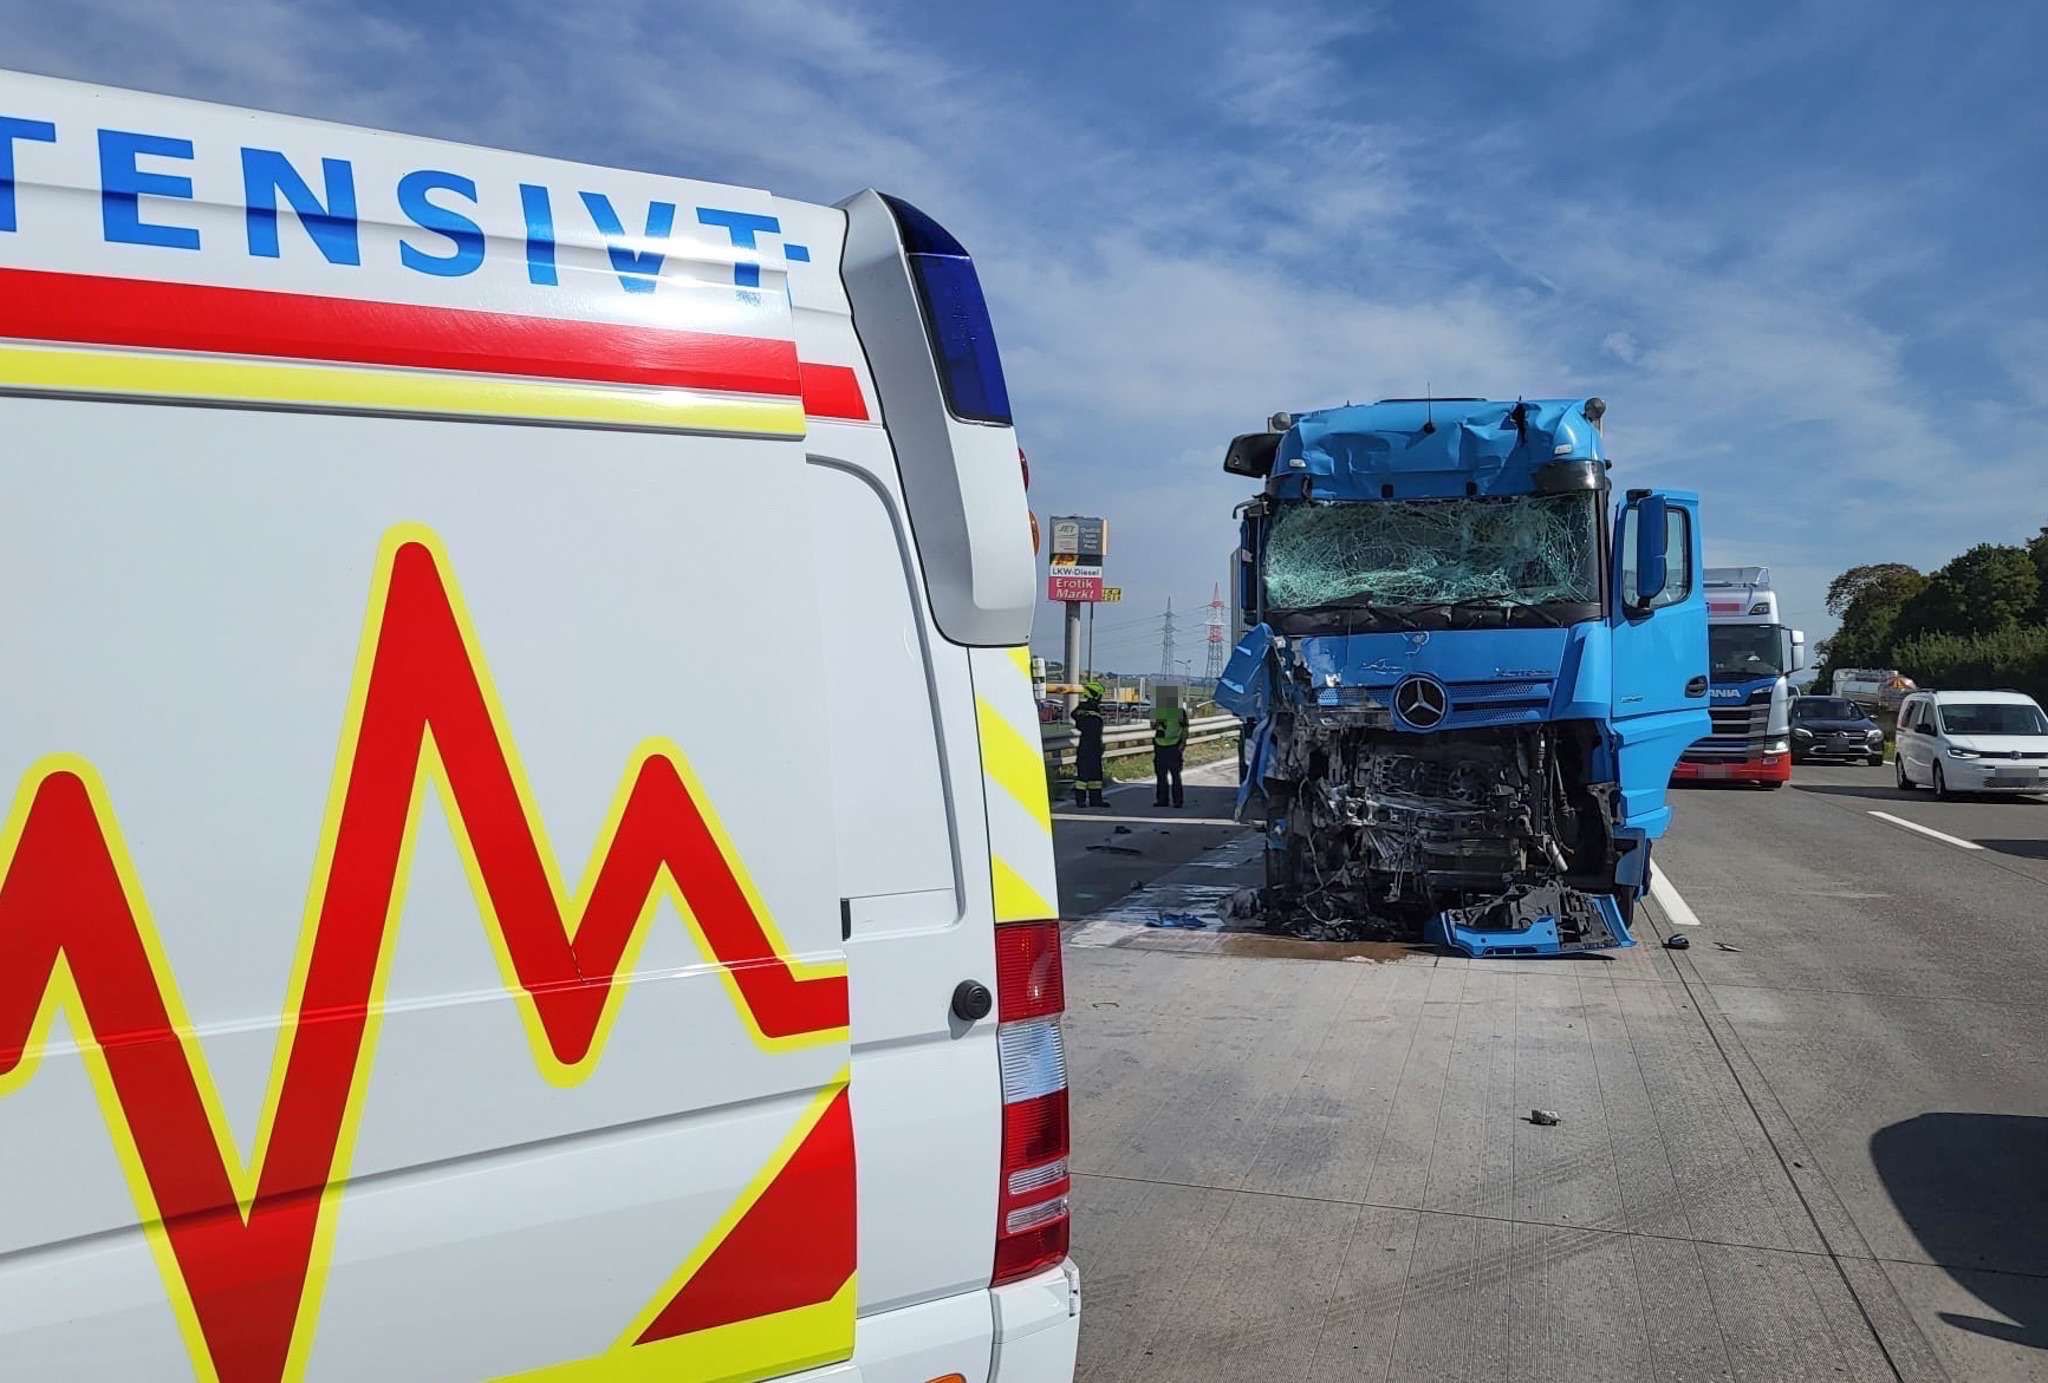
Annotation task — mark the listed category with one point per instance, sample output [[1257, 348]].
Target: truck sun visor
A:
[[956, 314], [1522, 548]]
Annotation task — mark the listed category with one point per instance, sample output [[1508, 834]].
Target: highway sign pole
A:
[[1091, 638], [1073, 608]]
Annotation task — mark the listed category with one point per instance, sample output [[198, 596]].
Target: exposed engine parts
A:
[[1371, 832]]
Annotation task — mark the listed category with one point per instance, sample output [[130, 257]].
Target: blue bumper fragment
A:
[[1538, 922]]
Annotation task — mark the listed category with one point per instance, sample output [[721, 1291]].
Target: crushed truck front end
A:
[[1471, 668]]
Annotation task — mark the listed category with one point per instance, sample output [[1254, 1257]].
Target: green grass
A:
[[1137, 768]]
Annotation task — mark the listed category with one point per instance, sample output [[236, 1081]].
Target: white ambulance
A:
[[527, 853]]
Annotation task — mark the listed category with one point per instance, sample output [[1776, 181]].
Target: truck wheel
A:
[[1282, 855], [1280, 869]]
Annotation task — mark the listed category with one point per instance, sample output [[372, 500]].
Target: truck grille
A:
[[1478, 704], [1736, 731], [1741, 720], [1474, 705]]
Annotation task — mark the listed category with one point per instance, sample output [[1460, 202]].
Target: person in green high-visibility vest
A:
[[1169, 743]]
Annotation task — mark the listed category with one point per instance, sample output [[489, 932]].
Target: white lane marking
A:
[[1942, 836], [1676, 908]]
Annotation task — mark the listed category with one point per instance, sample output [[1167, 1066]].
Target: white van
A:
[[528, 854], [1972, 741]]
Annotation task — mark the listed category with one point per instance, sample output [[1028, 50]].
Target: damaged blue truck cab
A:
[[1468, 665]]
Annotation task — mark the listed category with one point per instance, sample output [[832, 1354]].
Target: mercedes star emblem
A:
[[1421, 702]]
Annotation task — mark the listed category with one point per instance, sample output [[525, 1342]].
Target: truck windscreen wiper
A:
[[1355, 615], [1393, 617], [1498, 602]]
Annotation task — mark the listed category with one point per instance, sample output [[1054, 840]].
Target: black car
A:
[[1831, 727]]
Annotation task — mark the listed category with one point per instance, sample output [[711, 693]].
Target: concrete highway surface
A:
[[1814, 1145]]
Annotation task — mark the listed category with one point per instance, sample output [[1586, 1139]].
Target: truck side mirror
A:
[[1798, 650], [1652, 543], [1251, 454]]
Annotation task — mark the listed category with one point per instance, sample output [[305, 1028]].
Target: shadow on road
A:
[[2025, 849], [1970, 1188]]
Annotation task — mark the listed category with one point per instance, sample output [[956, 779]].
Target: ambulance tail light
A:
[[956, 314], [1032, 1213]]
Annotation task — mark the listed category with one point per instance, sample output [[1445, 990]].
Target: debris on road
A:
[[1724, 946], [1185, 921], [1544, 1118], [1338, 929], [1116, 849], [1543, 911], [1304, 923], [1679, 942], [1122, 830]]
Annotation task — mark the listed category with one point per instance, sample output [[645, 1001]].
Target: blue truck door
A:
[[1660, 650]]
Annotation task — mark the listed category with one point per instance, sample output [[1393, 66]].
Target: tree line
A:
[[1980, 621]]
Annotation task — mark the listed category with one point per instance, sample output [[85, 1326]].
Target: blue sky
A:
[[1797, 247]]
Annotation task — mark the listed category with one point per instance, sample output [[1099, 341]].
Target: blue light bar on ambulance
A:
[[956, 316]]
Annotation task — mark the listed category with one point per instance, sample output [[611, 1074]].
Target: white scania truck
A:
[[1751, 656]]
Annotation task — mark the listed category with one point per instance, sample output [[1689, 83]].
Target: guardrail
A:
[[1059, 741]]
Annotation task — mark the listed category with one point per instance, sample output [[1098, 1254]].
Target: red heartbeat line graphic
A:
[[243, 1246]]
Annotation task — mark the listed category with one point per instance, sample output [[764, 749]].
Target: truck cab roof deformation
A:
[[1440, 448]]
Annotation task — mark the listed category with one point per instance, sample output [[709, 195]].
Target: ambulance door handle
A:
[[971, 1001]]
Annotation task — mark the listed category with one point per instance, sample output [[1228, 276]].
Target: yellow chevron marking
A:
[[1016, 763], [1016, 899]]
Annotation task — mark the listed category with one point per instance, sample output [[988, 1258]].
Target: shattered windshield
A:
[[1493, 550], [1736, 652]]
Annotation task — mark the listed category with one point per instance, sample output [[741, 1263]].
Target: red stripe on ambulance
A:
[[86, 309], [833, 391]]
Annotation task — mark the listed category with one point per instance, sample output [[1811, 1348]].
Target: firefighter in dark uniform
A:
[[1169, 745], [1088, 756]]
